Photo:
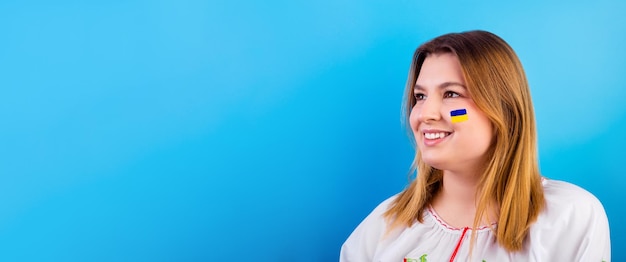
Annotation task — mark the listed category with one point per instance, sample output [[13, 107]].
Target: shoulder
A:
[[375, 221], [376, 217], [383, 206], [361, 245], [566, 197], [573, 221]]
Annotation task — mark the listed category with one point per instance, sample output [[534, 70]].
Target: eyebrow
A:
[[441, 86]]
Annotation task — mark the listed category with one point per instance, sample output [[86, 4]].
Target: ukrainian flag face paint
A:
[[458, 115]]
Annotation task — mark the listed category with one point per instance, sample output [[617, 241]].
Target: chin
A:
[[435, 163]]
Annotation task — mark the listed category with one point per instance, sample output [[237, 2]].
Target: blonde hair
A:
[[510, 180]]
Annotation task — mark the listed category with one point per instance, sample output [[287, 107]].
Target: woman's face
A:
[[456, 144]]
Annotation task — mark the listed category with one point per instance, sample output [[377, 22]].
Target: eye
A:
[[450, 94], [419, 96]]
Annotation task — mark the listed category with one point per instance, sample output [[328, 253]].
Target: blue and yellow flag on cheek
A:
[[458, 115]]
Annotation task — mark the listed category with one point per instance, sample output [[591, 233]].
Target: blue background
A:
[[222, 130]]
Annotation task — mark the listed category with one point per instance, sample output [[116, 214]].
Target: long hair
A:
[[510, 179]]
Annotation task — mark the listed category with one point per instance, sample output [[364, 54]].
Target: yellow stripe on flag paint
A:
[[461, 118]]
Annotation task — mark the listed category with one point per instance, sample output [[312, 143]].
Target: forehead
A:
[[440, 68]]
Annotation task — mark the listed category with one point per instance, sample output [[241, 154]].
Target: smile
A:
[[436, 135]]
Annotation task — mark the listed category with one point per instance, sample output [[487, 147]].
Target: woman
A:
[[478, 195]]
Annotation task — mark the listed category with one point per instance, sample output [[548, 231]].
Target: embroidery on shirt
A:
[[421, 259]]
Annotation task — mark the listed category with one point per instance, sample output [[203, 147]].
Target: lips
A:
[[433, 137]]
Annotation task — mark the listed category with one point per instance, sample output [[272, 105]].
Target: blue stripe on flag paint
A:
[[458, 112]]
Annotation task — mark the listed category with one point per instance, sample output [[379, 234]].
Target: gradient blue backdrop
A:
[[265, 130]]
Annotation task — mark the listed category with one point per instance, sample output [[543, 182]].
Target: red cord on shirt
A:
[[458, 245]]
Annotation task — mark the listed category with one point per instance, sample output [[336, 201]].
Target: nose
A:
[[429, 110]]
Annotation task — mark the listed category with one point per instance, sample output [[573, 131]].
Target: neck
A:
[[459, 188], [456, 200]]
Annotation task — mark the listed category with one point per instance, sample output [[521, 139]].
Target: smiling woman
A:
[[478, 195], [439, 93]]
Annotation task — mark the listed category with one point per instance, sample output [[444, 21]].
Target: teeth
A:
[[434, 135]]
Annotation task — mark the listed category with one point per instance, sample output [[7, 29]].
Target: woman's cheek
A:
[[413, 122]]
